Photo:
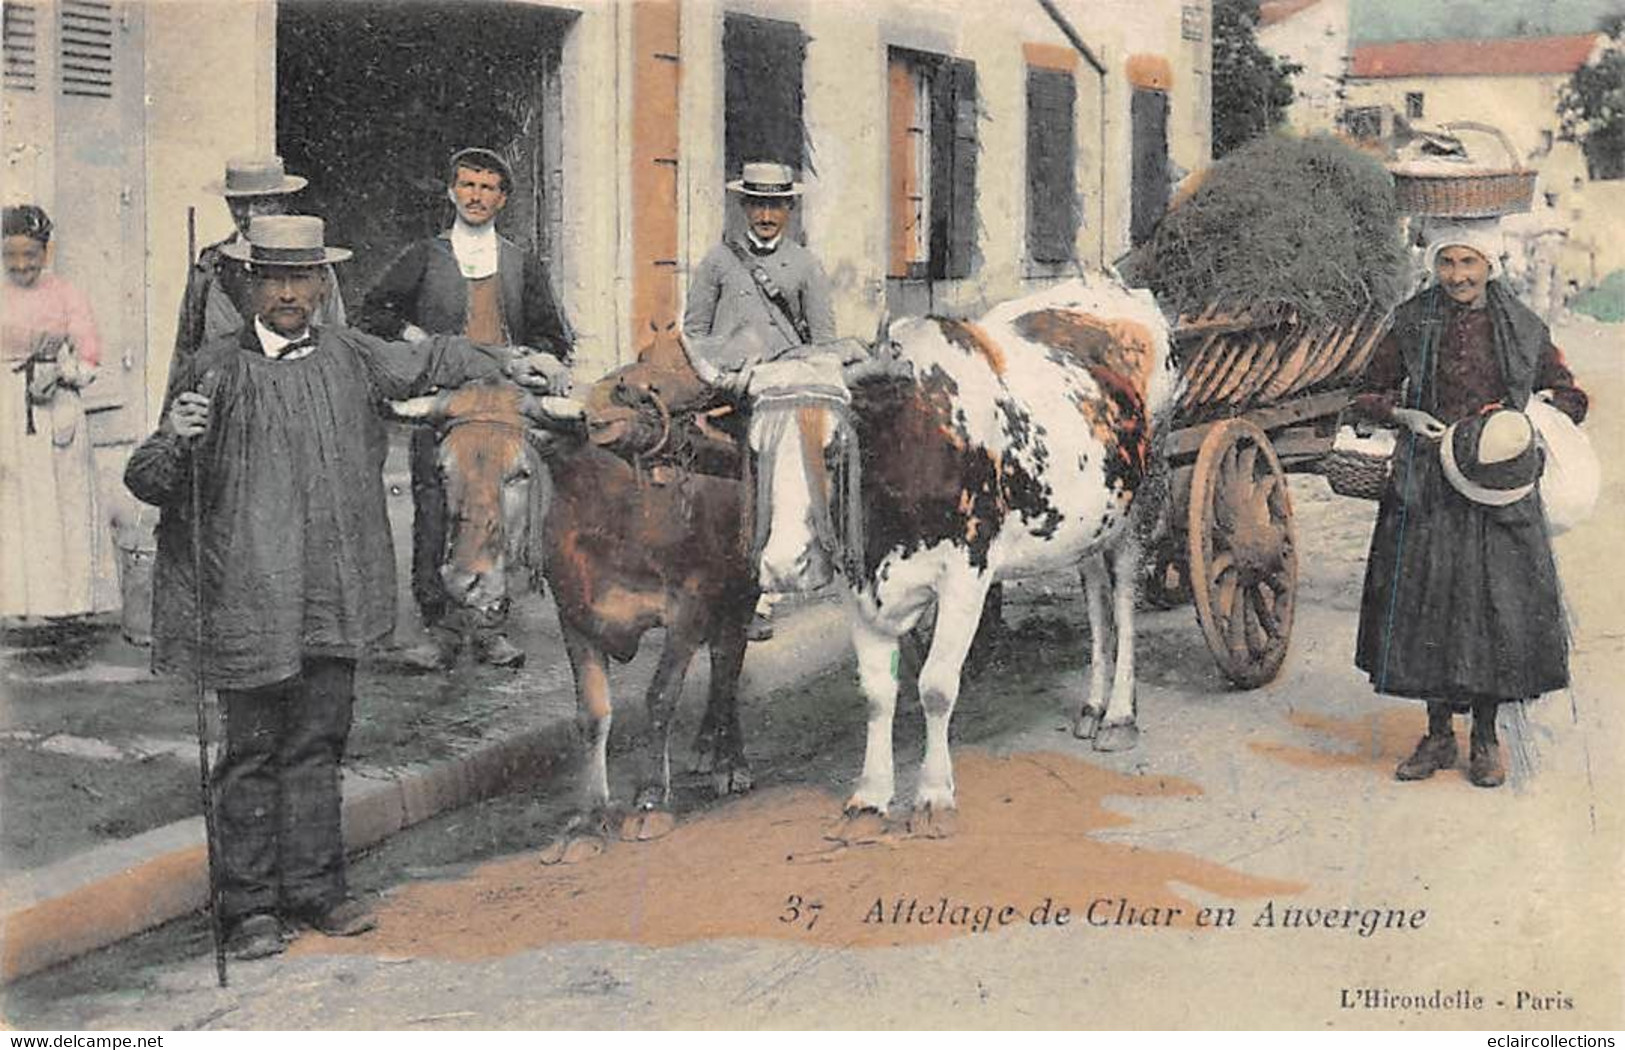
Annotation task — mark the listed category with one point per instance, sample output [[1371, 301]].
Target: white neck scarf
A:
[[475, 248]]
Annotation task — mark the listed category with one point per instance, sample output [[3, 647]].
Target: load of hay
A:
[[1307, 227]]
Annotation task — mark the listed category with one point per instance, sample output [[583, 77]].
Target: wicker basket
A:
[[1356, 467], [1356, 474], [1474, 193]]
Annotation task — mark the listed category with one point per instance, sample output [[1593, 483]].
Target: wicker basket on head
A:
[[1468, 192]]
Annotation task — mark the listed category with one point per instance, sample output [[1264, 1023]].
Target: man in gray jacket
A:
[[759, 295]]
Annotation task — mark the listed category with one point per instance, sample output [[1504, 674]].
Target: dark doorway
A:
[[373, 97], [1149, 116]]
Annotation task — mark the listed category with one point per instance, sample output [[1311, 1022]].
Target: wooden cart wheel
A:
[[1243, 552]]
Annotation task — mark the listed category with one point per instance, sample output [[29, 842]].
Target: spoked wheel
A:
[[1243, 552]]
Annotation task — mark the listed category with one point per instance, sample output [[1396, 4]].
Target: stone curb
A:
[[85, 902]]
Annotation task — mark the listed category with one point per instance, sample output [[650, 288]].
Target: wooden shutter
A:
[[86, 48], [902, 170], [953, 170], [762, 92], [21, 45], [1052, 204], [1149, 114], [656, 66]]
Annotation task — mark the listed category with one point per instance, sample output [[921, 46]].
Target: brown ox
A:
[[626, 548]]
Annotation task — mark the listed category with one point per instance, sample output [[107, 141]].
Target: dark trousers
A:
[[277, 795], [428, 526]]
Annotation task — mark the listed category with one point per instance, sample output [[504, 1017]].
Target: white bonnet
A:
[[1481, 235]]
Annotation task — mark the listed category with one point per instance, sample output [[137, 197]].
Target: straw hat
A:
[[285, 240], [256, 177], [760, 178], [1492, 458]]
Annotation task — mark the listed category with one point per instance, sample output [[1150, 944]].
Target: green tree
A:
[[1251, 88], [1592, 105]]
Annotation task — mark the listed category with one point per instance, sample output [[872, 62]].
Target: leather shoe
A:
[[760, 629], [256, 937], [348, 918], [427, 658], [1433, 753], [1484, 767], [497, 651]]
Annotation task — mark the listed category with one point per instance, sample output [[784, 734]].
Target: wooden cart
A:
[[1261, 398]]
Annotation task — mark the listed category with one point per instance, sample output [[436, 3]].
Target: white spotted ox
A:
[[1019, 443]]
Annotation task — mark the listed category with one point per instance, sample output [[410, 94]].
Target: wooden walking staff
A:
[[200, 690]]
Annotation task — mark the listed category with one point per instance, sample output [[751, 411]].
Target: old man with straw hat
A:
[[267, 454], [1461, 607]]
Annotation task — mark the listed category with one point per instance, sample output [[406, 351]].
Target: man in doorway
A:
[[216, 302], [276, 425], [759, 295], [467, 280]]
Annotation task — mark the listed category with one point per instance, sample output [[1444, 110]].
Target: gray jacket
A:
[[723, 299]]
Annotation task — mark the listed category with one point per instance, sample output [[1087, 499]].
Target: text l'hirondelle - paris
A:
[[1106, 912]]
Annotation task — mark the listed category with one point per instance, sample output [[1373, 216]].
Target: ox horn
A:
[[882, 333], [428, 408], [707, 371], [550, 410]]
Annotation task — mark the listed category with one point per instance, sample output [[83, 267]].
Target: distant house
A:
[[1513, 84], [1315, 35]]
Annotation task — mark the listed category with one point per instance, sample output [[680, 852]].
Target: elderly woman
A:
[[48, 548], [1461, 607]]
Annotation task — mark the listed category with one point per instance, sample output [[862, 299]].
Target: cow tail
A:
[[850, 496], [747, 505], [541, 498]]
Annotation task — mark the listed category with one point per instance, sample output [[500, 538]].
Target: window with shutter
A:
[[1052, 204], [21, 39], [86, 48], [762, 92], [932, 143], [1149, 116]]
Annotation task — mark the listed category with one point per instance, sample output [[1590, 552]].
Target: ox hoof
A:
[[1122, 736], [1086, 724], [735, 780], [647, 824], [858, 825], [573, 848], [933, 822]]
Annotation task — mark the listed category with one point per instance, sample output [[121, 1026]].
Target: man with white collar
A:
[[468, 280], [216, 302], [759, 295], [276, 425]]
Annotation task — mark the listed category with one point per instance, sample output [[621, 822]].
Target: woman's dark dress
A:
[[1461, 600]]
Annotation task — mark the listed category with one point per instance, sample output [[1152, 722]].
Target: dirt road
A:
[[1251, 864]]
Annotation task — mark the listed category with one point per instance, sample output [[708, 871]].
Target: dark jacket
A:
[[424, 286], [297, 558]]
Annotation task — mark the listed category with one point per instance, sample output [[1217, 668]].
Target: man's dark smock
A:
[[297, 558], [1461, 600]]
